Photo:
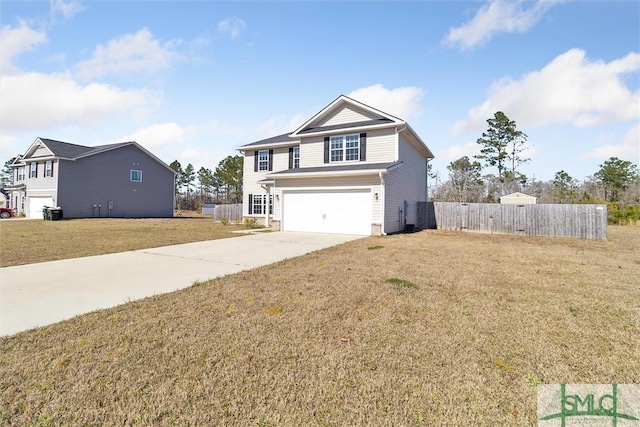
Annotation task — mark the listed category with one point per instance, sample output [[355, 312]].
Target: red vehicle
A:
[[7, 213]]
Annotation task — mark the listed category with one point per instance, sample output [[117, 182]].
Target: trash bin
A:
[[55, 214], [45, 212]]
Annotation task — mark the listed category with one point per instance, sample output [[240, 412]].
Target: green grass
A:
[[317, 341], [402, 283]]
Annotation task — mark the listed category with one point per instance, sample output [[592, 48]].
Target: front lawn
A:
[[29, 241], [431, 328]]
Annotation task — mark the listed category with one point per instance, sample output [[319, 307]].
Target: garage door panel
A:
[[343, 212], [36, 204]]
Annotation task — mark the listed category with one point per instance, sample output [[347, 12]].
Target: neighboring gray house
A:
[[349, 169], [114, 180]]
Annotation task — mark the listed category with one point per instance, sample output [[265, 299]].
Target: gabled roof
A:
[[367, 123], [372, 118], [69, 151], [376, 117]]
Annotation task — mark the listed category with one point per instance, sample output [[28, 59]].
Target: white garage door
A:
[[36, 204], [340, 212]]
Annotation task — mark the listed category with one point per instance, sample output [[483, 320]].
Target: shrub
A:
[[225, 221], [251, 222]]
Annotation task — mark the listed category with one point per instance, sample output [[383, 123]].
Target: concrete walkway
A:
[[45, 293]]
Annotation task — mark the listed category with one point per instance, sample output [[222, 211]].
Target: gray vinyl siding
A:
[[348, 114], [329, 184], [406, 182], [105, 177]]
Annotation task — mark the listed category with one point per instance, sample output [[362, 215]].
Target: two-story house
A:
[[349, 169], [114, 180]]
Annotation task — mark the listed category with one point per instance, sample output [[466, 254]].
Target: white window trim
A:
[[48, 168], [344, 149], [21, 173], [262, 204], [33, 170], [263, 164], [296, 157], [131, 175]]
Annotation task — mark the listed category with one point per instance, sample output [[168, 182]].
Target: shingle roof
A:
[[72, 151], [65, 149], [273, 140], [373, 122]]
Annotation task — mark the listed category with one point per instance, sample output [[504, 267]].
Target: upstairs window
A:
[[344, 148], [48, 168], [20, 173], [135, 176], [296, 157], [263, 160], [337, 148], [33, 170]]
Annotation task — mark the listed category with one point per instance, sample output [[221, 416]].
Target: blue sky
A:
[[193, 80]]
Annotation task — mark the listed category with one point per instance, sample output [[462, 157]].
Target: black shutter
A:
[[326, 149], [290, 157], [52, 163], [270, 160], [250, 204], [363, 147], [255, 161]]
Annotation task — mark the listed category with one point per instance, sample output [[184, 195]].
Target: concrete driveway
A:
[[45, 293]]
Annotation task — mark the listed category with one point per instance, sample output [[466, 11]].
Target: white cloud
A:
[[498, 16], [60, 100], [570, 89], [161, 134], [66, 9], [232, 26], [17, 40], [456, 151], [131, 53], [628, 148], [402, 102]]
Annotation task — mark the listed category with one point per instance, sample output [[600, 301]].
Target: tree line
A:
[[223, 185], [616, 182]]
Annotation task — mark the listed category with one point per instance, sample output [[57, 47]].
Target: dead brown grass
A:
[[325, 340], [29, 241]]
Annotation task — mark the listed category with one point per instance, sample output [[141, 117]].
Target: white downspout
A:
[[382, 203]]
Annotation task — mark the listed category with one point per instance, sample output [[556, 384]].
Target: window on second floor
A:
[[33, 170], [263, 160], [48, 168], [294, 157], [345, 148], [20, 176], [135, 175]]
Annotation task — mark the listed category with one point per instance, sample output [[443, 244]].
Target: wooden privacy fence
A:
[[231, 212], [580, 221]]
